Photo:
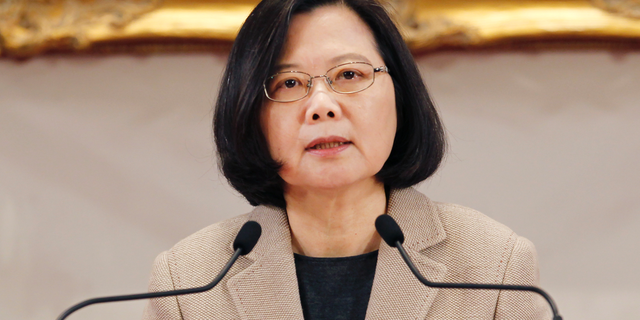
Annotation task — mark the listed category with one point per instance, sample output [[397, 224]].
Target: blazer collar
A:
[[396, 292], [268, 288]]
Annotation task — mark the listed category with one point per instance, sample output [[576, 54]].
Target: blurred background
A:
[[107, 159]]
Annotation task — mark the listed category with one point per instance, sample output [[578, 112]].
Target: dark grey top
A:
[[335, 288]]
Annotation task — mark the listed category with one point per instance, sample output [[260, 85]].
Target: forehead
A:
[[328, 36]]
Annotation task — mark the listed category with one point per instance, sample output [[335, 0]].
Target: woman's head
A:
[[391, 130], [328, 140]]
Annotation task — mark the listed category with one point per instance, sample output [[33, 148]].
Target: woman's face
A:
[[330, 140]]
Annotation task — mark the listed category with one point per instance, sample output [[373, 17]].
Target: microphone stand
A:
[[160, 294], [244, 242], [428, 283]]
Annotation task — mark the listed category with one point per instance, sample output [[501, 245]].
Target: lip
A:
[[325, 140], [330, 151]]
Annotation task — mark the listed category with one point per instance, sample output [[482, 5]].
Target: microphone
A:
[[393, 236], [245, 241]]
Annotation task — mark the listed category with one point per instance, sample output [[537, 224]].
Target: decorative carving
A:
[[628, 8], [434, 32], [30, 26], [439, 32]]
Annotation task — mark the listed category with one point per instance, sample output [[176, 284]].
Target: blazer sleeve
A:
[[522, 269], [166, 308]]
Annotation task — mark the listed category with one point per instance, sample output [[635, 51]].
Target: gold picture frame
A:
[[33, 27]]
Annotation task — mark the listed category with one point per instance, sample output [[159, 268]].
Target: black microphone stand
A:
[[391, 233], [245, 240], [428, 283], [155, 294]]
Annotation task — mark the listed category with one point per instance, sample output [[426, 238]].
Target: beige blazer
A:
[[448, 243]]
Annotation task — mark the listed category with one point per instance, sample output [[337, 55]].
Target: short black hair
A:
[[243, 153]]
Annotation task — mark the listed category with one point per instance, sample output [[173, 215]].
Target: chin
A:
[[329, 182], [327, 177], [331, 185]]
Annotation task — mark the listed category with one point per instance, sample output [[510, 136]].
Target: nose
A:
[[322, 105]]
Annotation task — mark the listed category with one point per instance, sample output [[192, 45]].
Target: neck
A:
[[335, 223]]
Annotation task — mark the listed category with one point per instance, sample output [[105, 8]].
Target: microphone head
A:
[[247, 237], [389, 230]]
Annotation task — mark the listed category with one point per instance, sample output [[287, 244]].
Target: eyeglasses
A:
[[350, 77]]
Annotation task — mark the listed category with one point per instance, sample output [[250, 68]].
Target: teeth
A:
[[327, 145]]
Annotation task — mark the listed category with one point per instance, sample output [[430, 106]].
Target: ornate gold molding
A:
[[629, 8], [31, 27]]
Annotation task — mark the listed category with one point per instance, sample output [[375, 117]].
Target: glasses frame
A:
[[326, 78]]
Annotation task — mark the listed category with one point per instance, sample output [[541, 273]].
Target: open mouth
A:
[[328, 145]]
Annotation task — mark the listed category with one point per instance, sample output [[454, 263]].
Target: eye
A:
[[290, 83], [287, 83], [348, 75]]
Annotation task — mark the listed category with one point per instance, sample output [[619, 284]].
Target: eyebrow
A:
[[347, 57]]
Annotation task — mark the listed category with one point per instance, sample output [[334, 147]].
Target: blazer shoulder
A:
[[194, 262], [215, 239], [476, 242], [461, 221], [193, 259]]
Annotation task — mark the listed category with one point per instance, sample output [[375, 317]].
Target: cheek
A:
[[387, 117], [278, 132], [388, 128], [389, 125], [380, 127], [270, 130]]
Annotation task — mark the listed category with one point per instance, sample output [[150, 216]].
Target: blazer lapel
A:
[[268, 288], [396, 292]]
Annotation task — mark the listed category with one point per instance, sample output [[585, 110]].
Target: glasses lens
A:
[[287, 86], [351, 77]]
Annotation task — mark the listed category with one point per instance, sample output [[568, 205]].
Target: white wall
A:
[[107, 160]]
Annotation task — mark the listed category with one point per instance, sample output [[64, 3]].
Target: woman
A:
[[323, 123]]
